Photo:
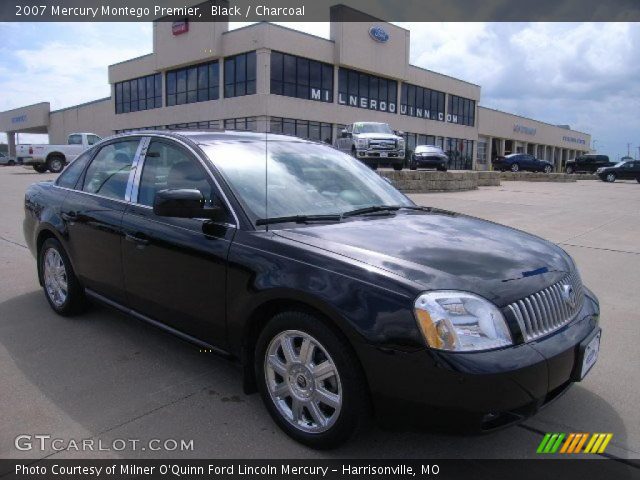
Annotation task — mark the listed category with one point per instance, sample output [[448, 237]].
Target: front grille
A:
[[549, 309], [382, 144]]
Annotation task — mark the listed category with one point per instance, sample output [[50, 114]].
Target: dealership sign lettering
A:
[[19, 119], [320, 95], [423, 113], [364, 102], [523, 129], [574, 140]]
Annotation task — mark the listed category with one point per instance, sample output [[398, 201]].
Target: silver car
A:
[[429, 156], [5, 160]]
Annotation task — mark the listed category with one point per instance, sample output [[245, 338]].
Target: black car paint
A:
[[524, 161], [629, 170], [588, 163], [217, 282]]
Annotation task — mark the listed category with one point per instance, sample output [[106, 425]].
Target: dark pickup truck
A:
[[588, 163]]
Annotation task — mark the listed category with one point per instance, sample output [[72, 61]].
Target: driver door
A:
[[175, 268]]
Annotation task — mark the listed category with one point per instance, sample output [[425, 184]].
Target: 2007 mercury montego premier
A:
[[339, 295]]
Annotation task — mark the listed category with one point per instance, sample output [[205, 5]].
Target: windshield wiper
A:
[[299, 219], [380, 208]]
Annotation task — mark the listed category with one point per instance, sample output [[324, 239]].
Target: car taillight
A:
[[30, 151]]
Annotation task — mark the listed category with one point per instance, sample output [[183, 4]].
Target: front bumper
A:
[[430, 162], [382, 156], [478, 391]]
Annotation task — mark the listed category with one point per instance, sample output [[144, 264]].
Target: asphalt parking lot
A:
[[104, 376]]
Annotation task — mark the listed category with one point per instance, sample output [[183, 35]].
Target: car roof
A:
[[204, 137]]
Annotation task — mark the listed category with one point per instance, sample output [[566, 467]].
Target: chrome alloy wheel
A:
[[303, 381], [55, 277]]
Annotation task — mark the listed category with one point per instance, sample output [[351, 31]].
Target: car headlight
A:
[[401, 144], [460, 321], [362, 143]]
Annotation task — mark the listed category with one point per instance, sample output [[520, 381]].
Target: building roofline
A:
[[445, 75], [27, 106], [132, 59], [271, 24], [532, 119], [81, 104]]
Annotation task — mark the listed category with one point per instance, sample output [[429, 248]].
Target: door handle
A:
[[69, 216], [139, 239]]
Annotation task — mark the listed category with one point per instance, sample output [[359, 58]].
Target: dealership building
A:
[[269, 78]]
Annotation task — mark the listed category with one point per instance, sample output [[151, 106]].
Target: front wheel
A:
[[570, 170], [611, 177], [547, 169], [310, 380], [515, 167], [61, 287], [11, 163], [397, 167], [413, 166]]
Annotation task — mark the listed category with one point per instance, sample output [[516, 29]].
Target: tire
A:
[[547, 169], [40, 168], [412, 167], [373, 165], [398, 166], [638, 179], [55, 163], [610, 177], [442, 169], [515, 167], [61, 287], [11, 163], [318, 425], [570, 170]]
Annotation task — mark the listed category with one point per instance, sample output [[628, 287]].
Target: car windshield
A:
[[371, 128], [428, 149], [301, 179]]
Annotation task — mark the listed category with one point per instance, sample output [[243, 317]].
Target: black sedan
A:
[[338, 295], [429, 156], [628, 170], [517, 162]]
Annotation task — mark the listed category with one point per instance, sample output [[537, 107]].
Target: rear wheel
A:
[[570, 169], [40, 168], [611, 177], [55, 163], [515, 167], [397, 167], [310, 380], [413, 166], [61, 287], [547, 169], [442, 168], [11, 163]]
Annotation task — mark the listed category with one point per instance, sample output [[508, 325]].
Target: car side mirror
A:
[[345, 134], [184, 203]]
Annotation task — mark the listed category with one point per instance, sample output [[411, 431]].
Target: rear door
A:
[[175, 268], [93, 216]]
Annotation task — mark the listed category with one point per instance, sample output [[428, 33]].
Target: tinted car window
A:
[[169, 166], [108, 174], [75, 139], [93, 139], [69, 178]]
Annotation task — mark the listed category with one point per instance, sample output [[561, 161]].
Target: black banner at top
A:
[[319, 10]]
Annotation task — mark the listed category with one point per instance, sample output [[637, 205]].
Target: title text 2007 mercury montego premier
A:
[[341, 298]]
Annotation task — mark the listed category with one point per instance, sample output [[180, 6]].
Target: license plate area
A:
[[588, 355]]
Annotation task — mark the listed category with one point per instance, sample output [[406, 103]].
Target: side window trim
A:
[[215, 185], [80, 183], [136, 170]]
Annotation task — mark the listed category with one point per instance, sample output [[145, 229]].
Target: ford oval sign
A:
[[378, 34]]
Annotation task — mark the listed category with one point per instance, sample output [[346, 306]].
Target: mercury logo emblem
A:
[[569, 295]]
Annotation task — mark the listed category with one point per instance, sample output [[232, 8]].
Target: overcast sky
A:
[[584, 75]]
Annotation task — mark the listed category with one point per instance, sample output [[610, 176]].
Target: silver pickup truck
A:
[[373, 143]]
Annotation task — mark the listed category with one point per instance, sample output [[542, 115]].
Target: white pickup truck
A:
[[54, 157]]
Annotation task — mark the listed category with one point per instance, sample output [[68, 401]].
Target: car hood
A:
[[438, 249], [386, 136]]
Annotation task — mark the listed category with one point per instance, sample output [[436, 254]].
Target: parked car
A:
[[6, 160], [429, 156], [629, 170], [338, 295], [517, 162], [373, 143], [588, 163], [54, 157]]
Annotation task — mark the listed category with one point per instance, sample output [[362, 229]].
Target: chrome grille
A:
[[382, 144], [549, 309]]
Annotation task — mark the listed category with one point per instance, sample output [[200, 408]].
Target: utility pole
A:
[[638, 153], [628, 149]]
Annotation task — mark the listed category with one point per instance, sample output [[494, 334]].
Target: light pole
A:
[[593, 143]]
